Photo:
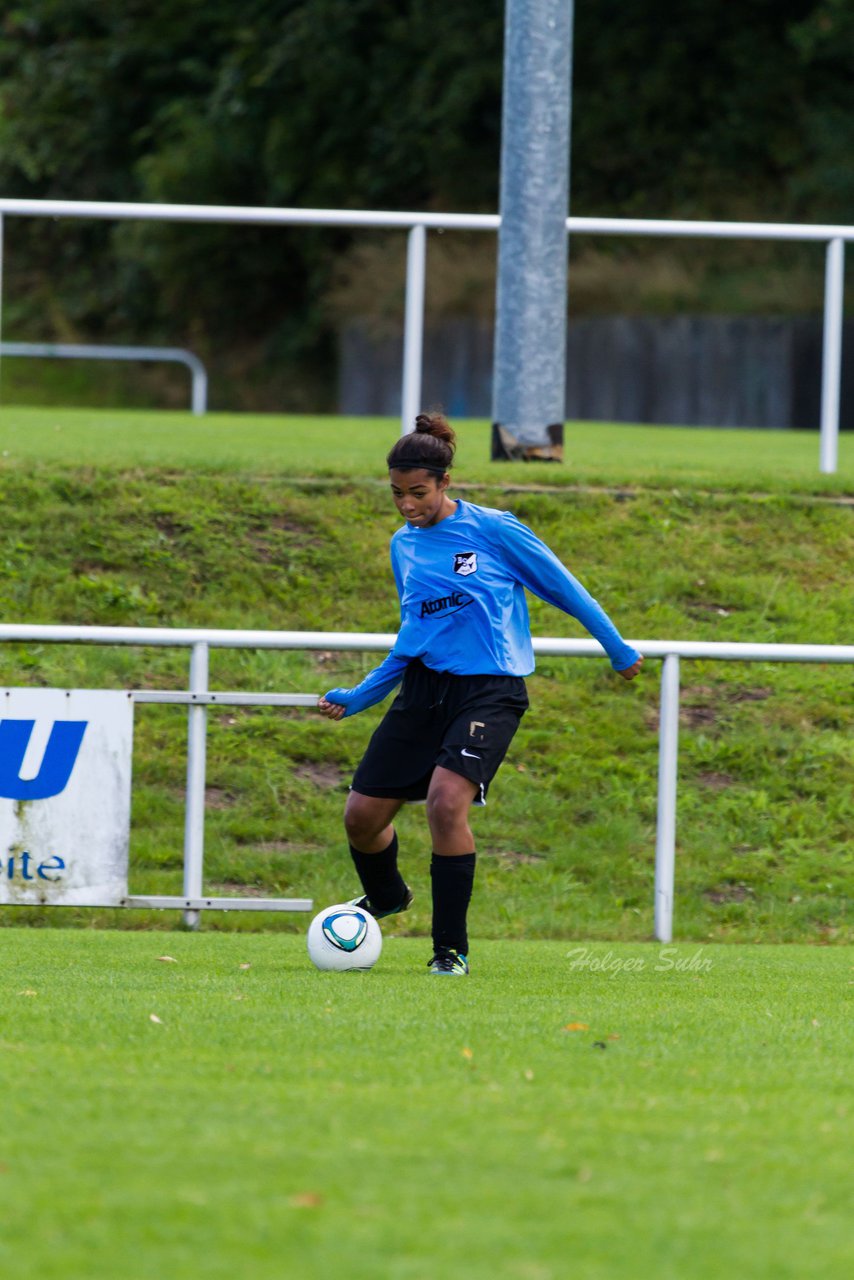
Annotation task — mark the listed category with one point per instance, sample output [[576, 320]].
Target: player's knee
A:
[[361, 822], [446, 808]]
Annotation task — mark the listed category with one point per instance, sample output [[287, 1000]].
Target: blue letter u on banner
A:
[[59, 757]]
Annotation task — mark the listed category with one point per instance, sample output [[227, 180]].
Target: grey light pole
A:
[[529, 382]]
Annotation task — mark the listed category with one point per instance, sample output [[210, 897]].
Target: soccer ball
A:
[[344, 937]]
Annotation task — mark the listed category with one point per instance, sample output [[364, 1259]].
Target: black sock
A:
[[383, 884], [453, 880]]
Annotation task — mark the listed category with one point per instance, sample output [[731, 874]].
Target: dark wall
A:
[[686, 370]]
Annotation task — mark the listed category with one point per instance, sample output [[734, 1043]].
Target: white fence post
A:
[[665, 839], [413, 328], [831, 360], [194, 816]]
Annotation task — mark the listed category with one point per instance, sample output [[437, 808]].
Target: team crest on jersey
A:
[[465, 562]]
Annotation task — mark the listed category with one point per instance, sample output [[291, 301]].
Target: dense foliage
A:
[[693, 108]]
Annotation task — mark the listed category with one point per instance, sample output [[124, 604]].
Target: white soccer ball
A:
[[344, 937]]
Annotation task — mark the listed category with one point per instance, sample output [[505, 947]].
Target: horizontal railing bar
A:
[[366, 641], [714, 230], [225, 699], [158, 903], [102, 351], [246, 214], [183, 637], [719, 650], [389, 218]]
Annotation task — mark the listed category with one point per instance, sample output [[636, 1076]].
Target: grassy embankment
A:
[[141, 519]]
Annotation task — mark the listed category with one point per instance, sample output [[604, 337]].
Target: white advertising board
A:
[[65, 791]]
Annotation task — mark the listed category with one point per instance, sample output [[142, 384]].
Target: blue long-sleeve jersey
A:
[[462, 600]]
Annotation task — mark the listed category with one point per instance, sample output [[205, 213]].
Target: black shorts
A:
[[463, 723]]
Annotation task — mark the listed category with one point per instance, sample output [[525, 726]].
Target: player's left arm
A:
[[538, 568]]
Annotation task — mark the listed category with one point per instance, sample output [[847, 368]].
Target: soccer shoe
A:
[[446, 960], [364, 904]]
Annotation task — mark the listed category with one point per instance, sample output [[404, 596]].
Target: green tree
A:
[[688, 108]]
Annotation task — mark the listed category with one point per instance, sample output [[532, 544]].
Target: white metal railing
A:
[[832, 235], [87, 351], [199, 696]]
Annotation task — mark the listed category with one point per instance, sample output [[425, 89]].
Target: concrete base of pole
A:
[[506, 447]]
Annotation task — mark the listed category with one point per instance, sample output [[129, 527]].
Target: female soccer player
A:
[[462, 652]]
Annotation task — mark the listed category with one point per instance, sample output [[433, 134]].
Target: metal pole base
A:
[[506, 448]]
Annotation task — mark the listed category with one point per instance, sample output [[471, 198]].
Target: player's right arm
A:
[[338, 703]]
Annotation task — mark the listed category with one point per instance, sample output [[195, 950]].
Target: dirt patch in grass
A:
[[328, 777], [234, 889], [278, 846], [701, 705], [515, 858], [715, 781], [726, 893], [219, 798]]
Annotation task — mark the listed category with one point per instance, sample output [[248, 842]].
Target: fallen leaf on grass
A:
[[528, 1074], [168, 959], [467, 1053], [613, 1036], [577, 1026], [246, 966], [152, 1017], [306, 1200], [28, 991]]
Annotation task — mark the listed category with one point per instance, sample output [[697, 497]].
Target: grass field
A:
[[595, 453], [602, 1111], [766, 804], [588, 1103]]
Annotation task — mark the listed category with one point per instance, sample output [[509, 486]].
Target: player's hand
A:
[[631, 672], [332, 710]]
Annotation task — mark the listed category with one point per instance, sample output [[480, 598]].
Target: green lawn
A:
[[595, 453], [600, 1111], [766, 775], [207, 1104]]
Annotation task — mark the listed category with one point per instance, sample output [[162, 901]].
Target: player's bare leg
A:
[[368, 821], [448, 802]]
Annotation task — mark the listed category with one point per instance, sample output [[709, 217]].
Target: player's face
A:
[[420, 496]]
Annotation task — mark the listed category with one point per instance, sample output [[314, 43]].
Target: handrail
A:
[[386, 218], [379, 641], [198, 697], [89, 351], [833, 235]]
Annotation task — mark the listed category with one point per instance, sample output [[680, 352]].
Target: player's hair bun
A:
[[438, 426], [430, 446]]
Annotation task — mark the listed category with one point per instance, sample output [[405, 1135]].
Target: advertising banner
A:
[[65, 792]]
